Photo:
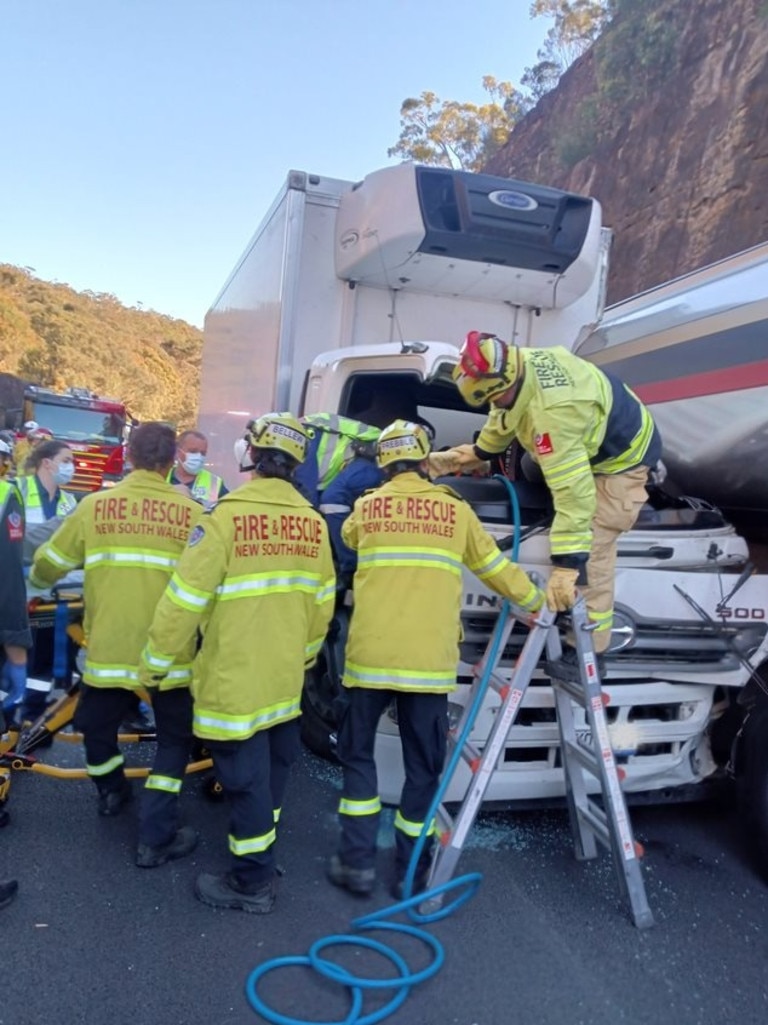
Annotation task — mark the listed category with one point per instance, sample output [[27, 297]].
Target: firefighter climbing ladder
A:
[[585, 754]]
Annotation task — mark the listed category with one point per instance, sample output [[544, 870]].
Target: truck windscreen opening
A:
[[378, 399], [70, 424]]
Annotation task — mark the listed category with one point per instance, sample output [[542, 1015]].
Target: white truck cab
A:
[[352, 290]]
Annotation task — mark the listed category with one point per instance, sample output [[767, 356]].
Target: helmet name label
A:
[[405, 441], [288, 432]]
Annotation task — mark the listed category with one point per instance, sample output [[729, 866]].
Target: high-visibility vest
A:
[[205, 488], [33, 504], [8, 488], [337, 434]]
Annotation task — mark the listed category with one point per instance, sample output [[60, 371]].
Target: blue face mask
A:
[[194, 462], [64, 473]]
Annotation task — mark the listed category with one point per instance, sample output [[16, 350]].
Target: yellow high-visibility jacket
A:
[[257, 578], [575, 421], [412, 539], [128, 539]]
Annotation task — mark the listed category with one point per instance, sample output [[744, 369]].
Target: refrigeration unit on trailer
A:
[[407, 256]]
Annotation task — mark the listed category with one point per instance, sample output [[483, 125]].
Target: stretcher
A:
[[62, 610]]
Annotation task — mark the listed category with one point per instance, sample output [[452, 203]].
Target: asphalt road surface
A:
[[546, 940]]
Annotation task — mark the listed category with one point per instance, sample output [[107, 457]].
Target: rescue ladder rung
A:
[[575, 691], [585, 758], [471, 754], [444, 823], [592, 822], [597, 821], [499, 682]]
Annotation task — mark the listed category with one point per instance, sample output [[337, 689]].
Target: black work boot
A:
[[224, 892], [111, 802], [8, 891], [357, 880], [568, 665], [397, 890], [180, 845]]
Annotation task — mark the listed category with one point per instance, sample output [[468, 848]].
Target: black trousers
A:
[[100, 710], [253, 774], [158, 819], [423, 723]]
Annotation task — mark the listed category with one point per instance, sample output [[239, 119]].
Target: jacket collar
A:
[[271, 490]]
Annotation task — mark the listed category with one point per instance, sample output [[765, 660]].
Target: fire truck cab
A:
[[94, 427]]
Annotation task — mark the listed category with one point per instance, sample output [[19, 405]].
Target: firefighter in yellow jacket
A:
[[129, 539], [412, 538], [595, 443], [257, 579]]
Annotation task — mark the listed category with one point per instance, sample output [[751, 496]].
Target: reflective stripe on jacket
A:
[[128, 539], [575, 421], [412, 540], [257, 578]]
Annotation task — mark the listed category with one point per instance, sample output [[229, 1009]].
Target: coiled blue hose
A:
[[468, 883], [358, 984]]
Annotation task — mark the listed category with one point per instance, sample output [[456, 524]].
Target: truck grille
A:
[[89, 471], [672, 644]]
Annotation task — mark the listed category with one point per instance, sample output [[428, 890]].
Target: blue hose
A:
[[358, 984], [409, 905], [515, 513]]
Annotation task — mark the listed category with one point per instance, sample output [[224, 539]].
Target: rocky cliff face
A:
[[682, 172]]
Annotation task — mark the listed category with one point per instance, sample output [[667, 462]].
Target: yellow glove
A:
[[461, 459], [561, 589]]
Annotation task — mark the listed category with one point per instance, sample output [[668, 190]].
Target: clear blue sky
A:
[[143, 140]]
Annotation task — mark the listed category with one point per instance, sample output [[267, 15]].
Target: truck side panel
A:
[[242, 331], [315, 320]]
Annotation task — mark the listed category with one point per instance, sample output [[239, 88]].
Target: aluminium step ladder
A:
[[586, 753]]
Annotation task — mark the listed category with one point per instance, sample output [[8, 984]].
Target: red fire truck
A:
[[94, 427]]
